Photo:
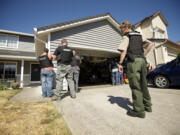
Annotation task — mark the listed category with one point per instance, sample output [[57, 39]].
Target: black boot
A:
[[133, 113]]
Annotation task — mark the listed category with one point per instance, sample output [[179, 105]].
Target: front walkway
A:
[[102, 111], [29, 94]]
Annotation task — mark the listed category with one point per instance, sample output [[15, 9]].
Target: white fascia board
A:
[[18, 57], [17, 33], [81, 23], [15, 50], [114, 22], [93, 48]]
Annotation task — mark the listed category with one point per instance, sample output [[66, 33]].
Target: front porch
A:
[[23, 71]]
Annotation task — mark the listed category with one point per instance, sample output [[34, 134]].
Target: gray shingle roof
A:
[[74, 21]]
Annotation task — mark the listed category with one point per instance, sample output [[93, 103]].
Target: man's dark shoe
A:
[[55, 98], [148, 109], [132, 113], [51, 96], [77, 91], [73, 96]]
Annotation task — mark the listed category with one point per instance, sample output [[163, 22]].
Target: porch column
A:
[[22, 73], [49, 42]]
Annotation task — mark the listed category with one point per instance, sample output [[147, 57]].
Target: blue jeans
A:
[[121, 78], [76, 80], [47, 82], [118, 78], [114, 78]]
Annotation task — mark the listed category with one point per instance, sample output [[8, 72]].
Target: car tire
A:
[[161, 81]]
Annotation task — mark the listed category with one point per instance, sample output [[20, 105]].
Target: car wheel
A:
[[161, 81]]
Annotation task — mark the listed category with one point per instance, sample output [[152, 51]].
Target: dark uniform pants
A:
[[136, 73]]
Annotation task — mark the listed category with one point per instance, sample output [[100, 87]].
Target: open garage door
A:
[[94, 71]]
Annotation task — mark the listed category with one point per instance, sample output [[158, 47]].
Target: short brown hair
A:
[[126, 24], [64, 40], [46, 50]]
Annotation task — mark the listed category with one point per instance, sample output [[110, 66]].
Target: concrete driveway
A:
[[102, 111]]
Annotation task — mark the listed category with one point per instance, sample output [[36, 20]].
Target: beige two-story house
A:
[[154, 28]]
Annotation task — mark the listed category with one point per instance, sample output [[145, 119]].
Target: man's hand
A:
[[120, 67], [150, 67]]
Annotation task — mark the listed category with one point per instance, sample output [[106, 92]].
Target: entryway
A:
[[35, 73]]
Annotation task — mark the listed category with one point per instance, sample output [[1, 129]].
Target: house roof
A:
[[151, 17], [166, 41], [78, 22], [16, 33]]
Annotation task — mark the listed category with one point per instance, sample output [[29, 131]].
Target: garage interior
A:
[[94, 67], [94, 71]]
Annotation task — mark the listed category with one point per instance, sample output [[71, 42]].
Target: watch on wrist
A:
[[120, 63]]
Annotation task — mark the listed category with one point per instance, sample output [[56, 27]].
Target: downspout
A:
[[154, 50]]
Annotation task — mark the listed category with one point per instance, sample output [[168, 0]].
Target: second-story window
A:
[[159, 34], [9, 41]]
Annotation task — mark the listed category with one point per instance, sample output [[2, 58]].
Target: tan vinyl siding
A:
[[100, 35], [151, 57], [39, 48], [146, 30], [26, 43], [172, 54], [160, 59], [157, 22]]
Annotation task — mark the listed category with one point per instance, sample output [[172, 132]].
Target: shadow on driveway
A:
[[120, 101]]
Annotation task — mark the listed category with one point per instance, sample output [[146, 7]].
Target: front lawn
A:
[[40, 118]]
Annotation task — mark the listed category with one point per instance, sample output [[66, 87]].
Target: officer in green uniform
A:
[[135, 49]]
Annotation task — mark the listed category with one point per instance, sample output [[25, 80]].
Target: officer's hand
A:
[[120, 67]]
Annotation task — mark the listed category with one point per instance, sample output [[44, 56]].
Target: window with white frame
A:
[[9, 41], [7, 71], [159, 34]]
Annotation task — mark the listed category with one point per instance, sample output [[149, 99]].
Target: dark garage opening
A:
[[94, 71]]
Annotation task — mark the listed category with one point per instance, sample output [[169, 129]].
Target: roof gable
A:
[[150, 18], [78, 22]]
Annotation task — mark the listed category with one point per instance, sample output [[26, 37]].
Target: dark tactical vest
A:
[[65, 56], [135, 48], [45, 61]]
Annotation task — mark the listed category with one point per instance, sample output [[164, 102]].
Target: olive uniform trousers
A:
[[136, 73]]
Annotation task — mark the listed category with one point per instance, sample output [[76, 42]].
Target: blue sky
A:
[[23, 15]]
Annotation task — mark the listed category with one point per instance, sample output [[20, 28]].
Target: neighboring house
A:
[[17, 58], [154, 28], [96, 36]]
